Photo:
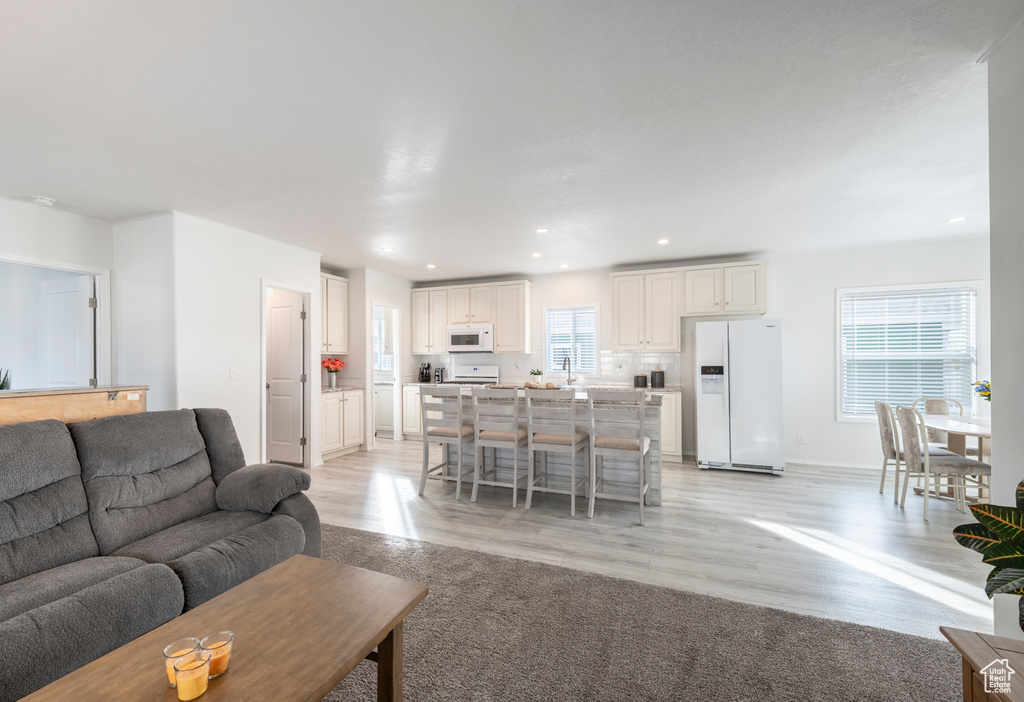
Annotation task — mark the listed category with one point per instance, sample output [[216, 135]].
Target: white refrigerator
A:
[[740, 424]]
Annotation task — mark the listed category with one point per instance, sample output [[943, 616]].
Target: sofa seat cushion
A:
[[213, 553], [36, 590], [49, 641], [180, 539]]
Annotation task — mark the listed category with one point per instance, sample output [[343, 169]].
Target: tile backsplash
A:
[[513, 369]]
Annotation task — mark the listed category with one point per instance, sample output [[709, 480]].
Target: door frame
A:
[[396, 419], [102, 336], [307, 393]]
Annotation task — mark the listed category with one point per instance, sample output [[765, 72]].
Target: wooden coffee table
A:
[[299, 627]]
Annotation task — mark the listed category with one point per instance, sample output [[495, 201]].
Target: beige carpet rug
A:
[[501, 629]]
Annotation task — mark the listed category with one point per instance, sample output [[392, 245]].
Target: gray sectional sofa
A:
[[112, 527]]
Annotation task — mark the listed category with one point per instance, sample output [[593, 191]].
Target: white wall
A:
[[219, 274], [1006, 165], [143, 286]]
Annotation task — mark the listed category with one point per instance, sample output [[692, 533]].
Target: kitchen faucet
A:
[[567, 366]]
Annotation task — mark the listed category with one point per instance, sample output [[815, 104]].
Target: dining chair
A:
[[890, 445], [496, 422], [551, 427], [443, 422], [617, 429], [941, 405], [935, 462]]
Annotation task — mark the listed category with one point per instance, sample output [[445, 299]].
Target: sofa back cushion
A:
[[143, 473], [44, 520]]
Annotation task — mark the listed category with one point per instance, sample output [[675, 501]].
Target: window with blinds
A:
[[572, 332], [382, 358], [898, 345]]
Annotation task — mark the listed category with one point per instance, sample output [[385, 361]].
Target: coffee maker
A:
[[424, 372], [439, 374]]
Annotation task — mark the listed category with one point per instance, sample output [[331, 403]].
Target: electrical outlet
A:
[[801, 438], [618, 368], [233, 373]]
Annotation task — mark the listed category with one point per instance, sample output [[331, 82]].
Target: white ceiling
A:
[[451, 129]]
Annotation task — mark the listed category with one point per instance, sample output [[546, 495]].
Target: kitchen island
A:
[[615, 469]]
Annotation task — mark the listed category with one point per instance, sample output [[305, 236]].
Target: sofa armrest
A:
[[259, 488]]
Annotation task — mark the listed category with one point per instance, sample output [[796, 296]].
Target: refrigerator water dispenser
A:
[[712, 380]]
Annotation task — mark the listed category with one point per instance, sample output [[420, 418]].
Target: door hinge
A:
[[302, 378], [302, 315], [302, 441], [92, 382], [93, 303]]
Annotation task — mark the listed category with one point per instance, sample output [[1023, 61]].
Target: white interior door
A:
[[66, 330], [285, 370]]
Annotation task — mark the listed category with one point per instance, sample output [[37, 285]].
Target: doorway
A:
[[286, 376], [386, 386]]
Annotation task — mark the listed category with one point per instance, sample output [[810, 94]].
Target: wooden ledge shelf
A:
[[71, 404]]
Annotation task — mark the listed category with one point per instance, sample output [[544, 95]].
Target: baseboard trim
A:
[[832, 464]]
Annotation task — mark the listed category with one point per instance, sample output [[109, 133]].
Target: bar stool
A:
[[617, 429], [496, 420], [443, 423], [551, 428]]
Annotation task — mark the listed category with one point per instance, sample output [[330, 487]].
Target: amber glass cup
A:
[[192, 674], [219, 646], [175, 651]]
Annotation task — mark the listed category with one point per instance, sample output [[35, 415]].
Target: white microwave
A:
[[470, 338]]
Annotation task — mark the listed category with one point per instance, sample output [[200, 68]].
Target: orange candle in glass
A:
[[192, 674], [219, 646], [175, 651]]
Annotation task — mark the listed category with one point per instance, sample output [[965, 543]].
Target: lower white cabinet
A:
[[671, 424], [384, 409], [411, 410], [342, 420]]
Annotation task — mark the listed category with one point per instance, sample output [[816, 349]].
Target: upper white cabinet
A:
[[506, 305], [745, 289], [733, 288], [645, 311], [512, 318], [430, 320], [702, 291], [333, 314]]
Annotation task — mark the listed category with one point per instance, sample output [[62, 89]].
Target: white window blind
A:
[[900, 345], [381, 345], [572, 332]]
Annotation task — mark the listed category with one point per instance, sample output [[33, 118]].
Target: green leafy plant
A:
[[5, 379], [536, 371], [999, 537]]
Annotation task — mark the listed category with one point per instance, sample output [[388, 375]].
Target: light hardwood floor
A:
[[819, 541]]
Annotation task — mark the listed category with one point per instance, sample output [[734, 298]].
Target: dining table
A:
[[957, 429]]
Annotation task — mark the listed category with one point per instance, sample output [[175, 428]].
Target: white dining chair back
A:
[[617, 428], [444, 422], [496, 422], [552, 426], [890, 438]]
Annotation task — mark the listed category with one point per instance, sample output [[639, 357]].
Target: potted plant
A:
[[333, 365], [537, 376], [999, 538], [984, 390], [5, 379]]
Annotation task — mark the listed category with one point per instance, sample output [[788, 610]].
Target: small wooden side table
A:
[[986, 655]]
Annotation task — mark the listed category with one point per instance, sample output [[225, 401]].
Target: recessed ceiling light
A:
[[387, 249], [565, 265], [536, 254], [431, 265], [662, 241], [43, 200], [543, 230], [957, 220]]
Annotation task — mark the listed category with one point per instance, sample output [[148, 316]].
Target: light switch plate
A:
[[233, 373]]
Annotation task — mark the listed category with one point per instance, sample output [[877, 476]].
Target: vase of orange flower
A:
[[333, 365]]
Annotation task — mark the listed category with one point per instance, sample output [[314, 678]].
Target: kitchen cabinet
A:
[[645, 311], [430, 321], [384, 410], [333, 314], [342, 420], [671, 425], [736, 288], [512, 317], [411, 421], [480, 303]]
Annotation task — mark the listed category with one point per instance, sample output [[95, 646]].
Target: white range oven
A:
[[470, 338]]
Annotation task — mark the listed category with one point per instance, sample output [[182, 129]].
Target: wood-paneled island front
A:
[[615, 469]]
